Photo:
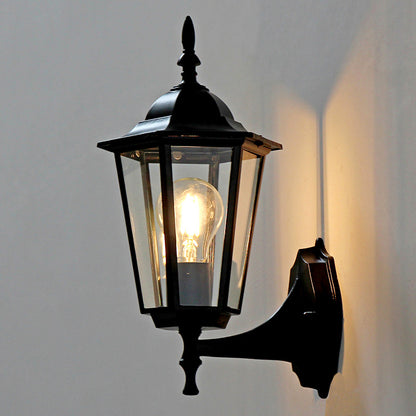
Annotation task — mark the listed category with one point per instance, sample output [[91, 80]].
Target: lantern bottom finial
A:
[[190, 360]]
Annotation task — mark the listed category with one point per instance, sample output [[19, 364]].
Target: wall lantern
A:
[[190, 177]]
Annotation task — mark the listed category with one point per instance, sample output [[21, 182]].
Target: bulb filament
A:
[[190, 226]]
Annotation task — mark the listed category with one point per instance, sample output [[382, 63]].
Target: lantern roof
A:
[[189, 108]]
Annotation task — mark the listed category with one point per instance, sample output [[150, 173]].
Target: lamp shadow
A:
[[308, 57]]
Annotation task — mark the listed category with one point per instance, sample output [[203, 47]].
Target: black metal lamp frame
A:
[[189, 115], [307, 329]]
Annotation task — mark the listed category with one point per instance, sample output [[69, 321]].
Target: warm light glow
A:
[[190, 214], [198, 215]]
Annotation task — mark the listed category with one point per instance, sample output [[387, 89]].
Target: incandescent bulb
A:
[[198, 215], [199, 212]]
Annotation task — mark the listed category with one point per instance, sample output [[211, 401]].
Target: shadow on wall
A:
[[347, 124], [370, 149], [307, 60]]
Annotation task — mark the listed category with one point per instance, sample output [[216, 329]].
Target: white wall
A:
[[331, 77]]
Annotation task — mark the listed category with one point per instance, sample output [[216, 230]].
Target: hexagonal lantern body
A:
[[189, 178]]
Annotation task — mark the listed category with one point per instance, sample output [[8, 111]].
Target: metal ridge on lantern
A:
[[190, 226]]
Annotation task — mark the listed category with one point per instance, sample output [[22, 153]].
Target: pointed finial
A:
[[188, 34], [188, 60]]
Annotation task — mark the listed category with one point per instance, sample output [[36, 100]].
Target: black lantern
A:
[[190, 178]]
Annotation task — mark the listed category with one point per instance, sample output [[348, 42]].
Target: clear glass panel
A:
[[201, 177], [142, 179], [245, 207]]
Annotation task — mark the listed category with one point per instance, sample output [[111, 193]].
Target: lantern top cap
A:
[[188, 60]]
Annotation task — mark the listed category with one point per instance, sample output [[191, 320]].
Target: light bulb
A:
[[198, 215]]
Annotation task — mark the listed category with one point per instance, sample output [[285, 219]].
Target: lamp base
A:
[[195, 284]]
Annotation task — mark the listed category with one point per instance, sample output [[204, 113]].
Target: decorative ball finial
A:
[[188, 60]]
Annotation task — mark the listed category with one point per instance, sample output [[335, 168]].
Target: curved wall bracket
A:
[[305, 331]]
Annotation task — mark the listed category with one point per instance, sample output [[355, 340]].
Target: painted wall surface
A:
[[334, 81]]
